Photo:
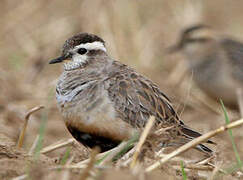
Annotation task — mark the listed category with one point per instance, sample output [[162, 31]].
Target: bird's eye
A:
[[82, 51]]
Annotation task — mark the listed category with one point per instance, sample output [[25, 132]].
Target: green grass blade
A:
[[41, 135], [129, 145], [65, 156], [44, 118], [183, 171], [231, 135], [102, 159], [232, 168]]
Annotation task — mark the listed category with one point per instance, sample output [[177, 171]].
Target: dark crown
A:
[[78, 39]]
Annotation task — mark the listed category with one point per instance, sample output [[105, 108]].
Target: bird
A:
[[216, 61], [104, 102]]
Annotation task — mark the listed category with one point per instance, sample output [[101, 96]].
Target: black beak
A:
[[58, 60]]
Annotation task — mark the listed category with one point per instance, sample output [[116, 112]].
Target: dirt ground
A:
[[136, 33]]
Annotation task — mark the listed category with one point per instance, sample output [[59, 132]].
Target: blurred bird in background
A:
[[215, 60]]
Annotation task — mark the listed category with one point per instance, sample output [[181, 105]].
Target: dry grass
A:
[[137, 33]]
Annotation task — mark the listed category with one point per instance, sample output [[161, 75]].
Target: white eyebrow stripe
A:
[[91, 46]]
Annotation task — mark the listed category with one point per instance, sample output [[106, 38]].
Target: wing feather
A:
[[136, 98]]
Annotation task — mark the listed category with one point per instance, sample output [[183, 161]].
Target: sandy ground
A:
[[137, 33]]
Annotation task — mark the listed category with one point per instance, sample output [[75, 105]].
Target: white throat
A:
[[77, 62]]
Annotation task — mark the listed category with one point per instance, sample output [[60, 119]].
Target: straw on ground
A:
[[193, 143]]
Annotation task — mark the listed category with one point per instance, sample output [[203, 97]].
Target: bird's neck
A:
[[90, 67], [92, 71]]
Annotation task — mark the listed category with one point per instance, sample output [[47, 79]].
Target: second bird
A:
[[216, 62]]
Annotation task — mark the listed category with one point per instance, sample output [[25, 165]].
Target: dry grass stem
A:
[[220, 170], [205, 161], [31, 35], [162, 130], [199, 167], [66, 173], [58, 167], [215, 171], [142, 139], [91, 163], [201, 174], [207, 102], [20, 177], [57, 145], [101, 155], [32, 149], [193, 143], [176, 159], [195, 167], [113, 153], [125, 160], [26, 119]]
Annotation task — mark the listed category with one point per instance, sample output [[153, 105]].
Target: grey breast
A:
[[80, 94]]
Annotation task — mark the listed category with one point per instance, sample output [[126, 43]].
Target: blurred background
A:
[[136, 32]]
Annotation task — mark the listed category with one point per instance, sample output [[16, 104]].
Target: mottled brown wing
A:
[[136, 98]]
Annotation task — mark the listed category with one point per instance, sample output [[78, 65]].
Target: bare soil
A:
[[137, 33]]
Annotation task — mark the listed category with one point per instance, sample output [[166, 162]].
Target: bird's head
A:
[[194, 40], [79, 50]]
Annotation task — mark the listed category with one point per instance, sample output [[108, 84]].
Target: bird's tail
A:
[[191, 134]]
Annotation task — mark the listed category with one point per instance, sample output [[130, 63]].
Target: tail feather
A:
[[204, 148], [191, 134]]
